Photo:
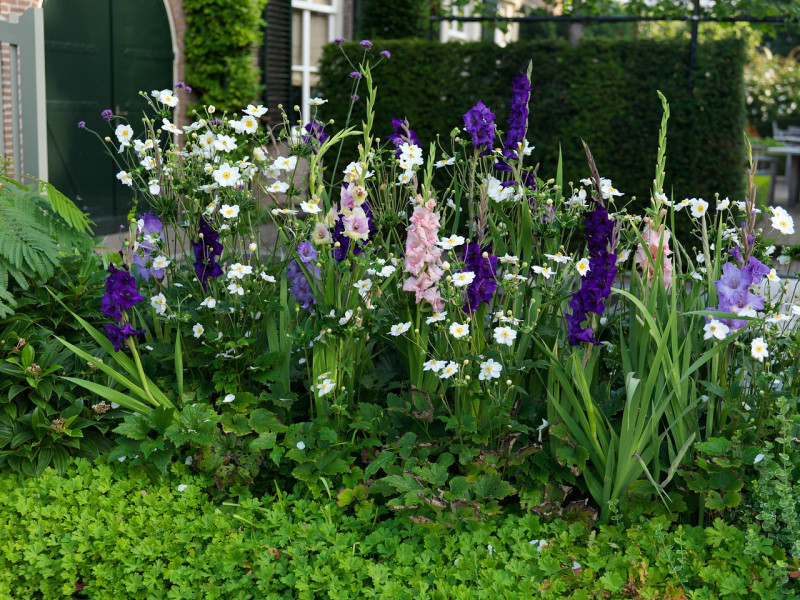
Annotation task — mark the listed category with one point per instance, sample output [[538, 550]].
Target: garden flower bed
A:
[[465, 374]]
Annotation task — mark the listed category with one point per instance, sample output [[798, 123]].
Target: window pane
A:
[[319, 36], [297, 37]]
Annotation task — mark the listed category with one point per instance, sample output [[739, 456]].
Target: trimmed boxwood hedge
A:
[[603, 91], [106, 532]]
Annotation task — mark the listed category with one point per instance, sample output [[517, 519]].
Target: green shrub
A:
[[386, 19], [602, 91], [220, 37], [105, 533]]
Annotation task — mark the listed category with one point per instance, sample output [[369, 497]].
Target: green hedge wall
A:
[[603, 91]]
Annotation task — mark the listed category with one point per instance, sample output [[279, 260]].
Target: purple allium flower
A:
[[338, 41], [355, 75], [81, 124], [354, 97], [596, 284], [366, 44], [107, 114], [484, 285], [385, 54], [215, 122], [479, 123], [518, 120], [314, 135], [119, 335], [402, 134], [180, 84], [120, 295], [206, 250]]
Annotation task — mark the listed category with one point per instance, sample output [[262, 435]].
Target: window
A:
[[314, 24]]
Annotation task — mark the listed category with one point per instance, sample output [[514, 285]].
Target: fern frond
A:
[[66, 209]]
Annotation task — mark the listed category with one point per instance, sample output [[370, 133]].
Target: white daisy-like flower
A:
[[405, 177], [773, 276], [325, 387], [229, 212], [161, 262], [267, 278], [450, 242], [758, 349], [182, 487], [198, 330], [723, 204], [166, 97], [505, 335], [310, 207], [159, 303], [699, 208], [683, 204], [543, 271], [623, 256], [236, 288], [400, 328], [387, 271], [346, 318], [507, 259], [209, 302], [582, 267], [363, 286], [459, 330], [559, 257], [433, 365], [410, 155], [254, 111], [124, 134], [448, 371], [125, 178], [285, 163], [316, 101], [436, 317], [783, 222], [496, 191], [463, 278], [301, 445], [661, 197], [715, 329], [148, 162], [490, 370], [777, 319], [577, 199], [167, 125], [278, 187], [445, 162], [238, 271], [226, 175], [225, 143]]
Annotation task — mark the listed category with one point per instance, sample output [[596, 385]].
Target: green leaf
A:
[[714, 446], [493, 487], [381, 461]]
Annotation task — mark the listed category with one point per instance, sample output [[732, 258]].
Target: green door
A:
[[99, 54]]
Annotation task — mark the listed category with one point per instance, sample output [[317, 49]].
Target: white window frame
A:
[[306, 68]]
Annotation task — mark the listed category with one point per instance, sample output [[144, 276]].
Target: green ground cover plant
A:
[[103, 531]]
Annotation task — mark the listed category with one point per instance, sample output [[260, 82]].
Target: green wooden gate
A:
[[99, 54]]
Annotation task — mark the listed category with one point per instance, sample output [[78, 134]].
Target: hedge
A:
[[107, 533], [603, 91]]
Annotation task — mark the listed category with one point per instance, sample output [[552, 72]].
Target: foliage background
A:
[[602, 91], [220, 38]]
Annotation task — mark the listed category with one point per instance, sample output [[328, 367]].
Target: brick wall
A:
[[14, 7]]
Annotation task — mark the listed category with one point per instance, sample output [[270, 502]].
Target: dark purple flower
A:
[[403, 134], [484, 285], [314, 135], [354, 97], [297, 273], [366, 44], [596, 284], [355, 75], [338, 41], [107, 114], [479, 123], [180, 84], [385, 54], [81, 124], [119, 335], [736, 253], [215, 122], [207, 250], [518, 120], [120, 295], [338, 235]]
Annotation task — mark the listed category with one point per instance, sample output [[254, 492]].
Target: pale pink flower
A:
[[423, 256], [356, 225], [653, 238]]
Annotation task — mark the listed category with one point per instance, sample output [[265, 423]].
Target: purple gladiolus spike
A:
[[479, 123]]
